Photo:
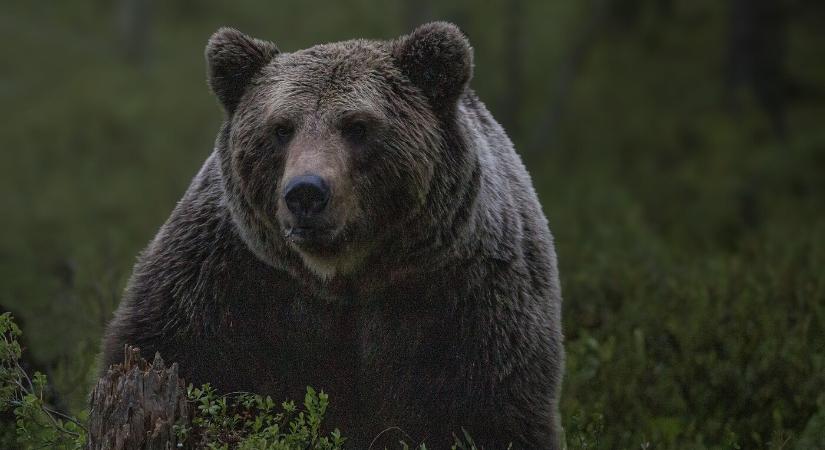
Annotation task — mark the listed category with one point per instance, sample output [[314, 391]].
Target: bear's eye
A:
[[283, 132], [355, 130]]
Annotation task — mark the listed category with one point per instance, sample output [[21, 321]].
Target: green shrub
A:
[[36, 423], [247, 421], [239, 421]]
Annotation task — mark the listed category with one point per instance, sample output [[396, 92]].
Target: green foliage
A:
[[10, 353], [245, 421], [36, 423], [238, 421], [248, 421]]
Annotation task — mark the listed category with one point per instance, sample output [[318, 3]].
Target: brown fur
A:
[[431, 303]]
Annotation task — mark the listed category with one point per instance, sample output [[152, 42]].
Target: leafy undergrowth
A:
[[28, 420], [247, 421], [237, 421]]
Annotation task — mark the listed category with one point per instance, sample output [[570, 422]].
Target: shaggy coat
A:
[[430, 302]]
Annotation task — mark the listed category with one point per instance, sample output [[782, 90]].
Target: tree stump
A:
[[136, 404]]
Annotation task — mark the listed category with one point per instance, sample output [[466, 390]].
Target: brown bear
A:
[[363, 226]]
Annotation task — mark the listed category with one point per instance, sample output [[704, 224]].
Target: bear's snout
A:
[[306, 196]]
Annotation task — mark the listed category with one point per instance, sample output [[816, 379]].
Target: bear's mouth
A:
[[312, 238], [302, 233]]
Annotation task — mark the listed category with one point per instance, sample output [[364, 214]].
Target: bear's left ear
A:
[[437, 58], [232, 60]]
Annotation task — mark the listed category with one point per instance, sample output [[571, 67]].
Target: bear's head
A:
[[335, 155]]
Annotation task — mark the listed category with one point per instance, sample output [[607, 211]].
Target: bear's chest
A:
[[289, 343]]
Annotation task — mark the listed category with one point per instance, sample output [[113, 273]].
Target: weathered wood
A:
[[136, 404]]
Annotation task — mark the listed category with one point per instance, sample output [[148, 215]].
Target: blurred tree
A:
[[135, 24], [581, 43], [416, 12], [513, 66], [756, 56]]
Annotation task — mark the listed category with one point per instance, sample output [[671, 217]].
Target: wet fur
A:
[[451, 317]]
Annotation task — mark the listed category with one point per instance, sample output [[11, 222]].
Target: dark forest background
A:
[[678, 148]]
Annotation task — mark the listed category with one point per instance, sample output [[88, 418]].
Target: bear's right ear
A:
[[437, 58], [232, 59]]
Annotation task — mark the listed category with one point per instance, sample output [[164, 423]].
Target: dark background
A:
[[678, 147]]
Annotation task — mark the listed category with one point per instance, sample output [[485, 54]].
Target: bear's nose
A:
[[306, 195]]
